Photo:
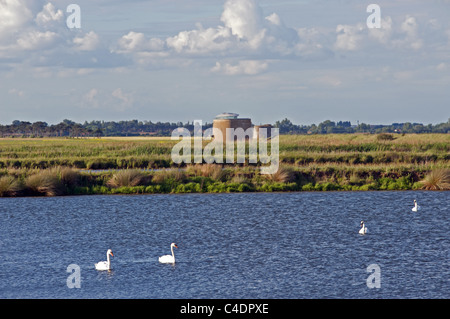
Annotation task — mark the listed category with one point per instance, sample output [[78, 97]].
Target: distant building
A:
[[230, 120], [257, 128]]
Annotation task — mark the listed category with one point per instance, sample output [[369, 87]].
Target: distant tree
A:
[[98, 132]]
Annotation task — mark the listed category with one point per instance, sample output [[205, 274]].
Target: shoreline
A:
[[70, 182]]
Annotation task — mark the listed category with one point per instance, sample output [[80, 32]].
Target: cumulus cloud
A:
[[13, 15], [27, 27], [34, 40], [48, 15], [88, 42], [384, 33], [244, 31], [403, 35], [410, 28], [136, 41], [243, 19], [202, 41], [349, 37], [246, 40]]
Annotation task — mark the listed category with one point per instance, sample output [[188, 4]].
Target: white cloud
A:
[[404, 35], [274, 19], [89, 42], [243, 18], [136, 41], [13, 15], [34, 40], [48, 15], [384, 33], [410, 28], [245, 30], [201, 41], [248, 67], [349, 37]]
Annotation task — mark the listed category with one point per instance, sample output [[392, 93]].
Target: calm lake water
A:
[[250, 245]]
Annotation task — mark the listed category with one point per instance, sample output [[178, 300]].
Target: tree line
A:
[[329, 127], [68, 128]]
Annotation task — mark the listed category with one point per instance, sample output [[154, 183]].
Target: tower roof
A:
[[226, 115]]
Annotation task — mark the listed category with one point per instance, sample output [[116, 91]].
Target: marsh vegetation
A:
[[61, 166]]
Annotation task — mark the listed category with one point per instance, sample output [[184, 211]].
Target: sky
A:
[[180, 60]]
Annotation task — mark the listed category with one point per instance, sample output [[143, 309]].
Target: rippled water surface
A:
[[251, 245]]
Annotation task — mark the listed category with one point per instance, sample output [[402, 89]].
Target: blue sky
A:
[[178, 60]]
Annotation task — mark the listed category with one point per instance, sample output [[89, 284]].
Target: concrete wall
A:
[[223, 124]]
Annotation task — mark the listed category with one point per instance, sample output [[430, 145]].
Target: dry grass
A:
[[67, 175], [164, 175], [438, 179], [9, 186], [45, 182], [131, 177], [213, 171], [283, 175]]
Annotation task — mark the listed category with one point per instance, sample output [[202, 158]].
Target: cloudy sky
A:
[[182, 60]]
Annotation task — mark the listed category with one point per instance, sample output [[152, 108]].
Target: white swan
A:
[[416, 207], [168, 259], [105, 265], [363, 229]]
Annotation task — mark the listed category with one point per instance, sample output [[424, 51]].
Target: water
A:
[[255, 245]]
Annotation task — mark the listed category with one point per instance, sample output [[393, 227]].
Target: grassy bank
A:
[[52, 167]]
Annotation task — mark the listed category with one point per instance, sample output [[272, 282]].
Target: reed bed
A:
[[52, 167]]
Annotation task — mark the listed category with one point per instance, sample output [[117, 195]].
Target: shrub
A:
[[153, 189], [279, 187], [9, 186], [438, 179], [188, 188], [368, 187], [327, 187], [127, 177], [128, 190], [283, 175], [46, 183], [308, 187], [245, 188]]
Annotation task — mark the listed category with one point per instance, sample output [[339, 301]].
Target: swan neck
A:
[[171, 248]]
